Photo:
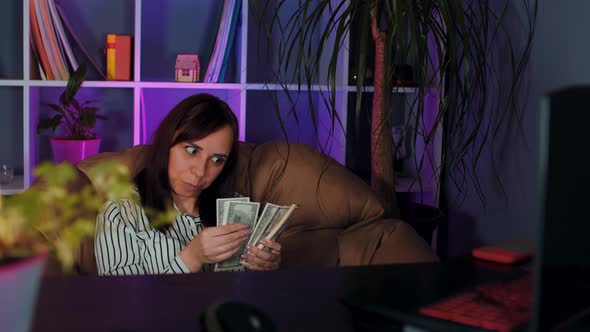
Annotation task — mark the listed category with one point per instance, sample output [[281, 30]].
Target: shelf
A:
[[395, 89], [169, 28], [290, 87], [278, 87], [128, 84], [87, 84], [181, 85], [12, 83], [198, 85], [14, 187], [260, 106], [92, 20], [323, 87], [116, 104], [157, 102]]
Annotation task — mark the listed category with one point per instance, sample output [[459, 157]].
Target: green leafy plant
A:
[[52, 218], [452, 47], [78, 120]]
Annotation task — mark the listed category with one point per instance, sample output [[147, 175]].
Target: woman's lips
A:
[[192, 188]]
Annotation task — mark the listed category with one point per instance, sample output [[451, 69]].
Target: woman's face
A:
[[193, 166]]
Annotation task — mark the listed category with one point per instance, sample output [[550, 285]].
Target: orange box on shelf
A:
[[118, 52]]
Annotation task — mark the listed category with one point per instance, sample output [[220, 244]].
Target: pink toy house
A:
[[187, 68]]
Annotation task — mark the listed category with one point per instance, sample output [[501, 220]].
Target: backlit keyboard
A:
[[497, 306]]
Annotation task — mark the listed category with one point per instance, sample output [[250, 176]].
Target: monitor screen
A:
[[562, 278]]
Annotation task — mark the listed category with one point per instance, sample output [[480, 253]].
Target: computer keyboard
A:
[[498, 306]]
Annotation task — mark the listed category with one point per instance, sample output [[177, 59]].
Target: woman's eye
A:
[[217, 160], [191, 149]]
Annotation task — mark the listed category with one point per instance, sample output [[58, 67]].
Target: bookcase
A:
[[161, 29]]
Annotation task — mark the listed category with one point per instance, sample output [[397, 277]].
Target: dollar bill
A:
[[277, 226], [271, 214], [268, 222], [238, 212], [219, 207]]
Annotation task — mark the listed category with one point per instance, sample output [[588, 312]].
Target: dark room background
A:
[[559, 58]]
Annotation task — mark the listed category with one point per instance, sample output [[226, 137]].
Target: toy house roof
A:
[[187, 61]]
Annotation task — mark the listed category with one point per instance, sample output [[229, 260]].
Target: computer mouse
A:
[[233, 316]]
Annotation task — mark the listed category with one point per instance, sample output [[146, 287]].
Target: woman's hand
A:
[[269, 259], [214, 244]]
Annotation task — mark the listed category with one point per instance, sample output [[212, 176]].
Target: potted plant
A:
[[77, 121], [452, 48], [46, 223]]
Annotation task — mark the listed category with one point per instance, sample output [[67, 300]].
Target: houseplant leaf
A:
[[78, 119], [87, 119], [48, 123], [57, 109], [73, 86]]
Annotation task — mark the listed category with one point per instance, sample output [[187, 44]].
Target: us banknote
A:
[[271, 214], [220, 208], [273, 220], [237, 212]]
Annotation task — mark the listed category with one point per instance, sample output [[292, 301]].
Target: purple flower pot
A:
[[73, 150], [19, 284]]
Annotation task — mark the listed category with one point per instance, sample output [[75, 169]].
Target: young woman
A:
[[193, 149]]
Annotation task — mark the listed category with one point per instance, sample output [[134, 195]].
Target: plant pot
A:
[[19, 284], [65, 149]]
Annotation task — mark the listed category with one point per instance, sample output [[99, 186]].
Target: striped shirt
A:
[[126, 244]]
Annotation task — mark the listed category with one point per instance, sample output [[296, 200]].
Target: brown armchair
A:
[[339, 221]]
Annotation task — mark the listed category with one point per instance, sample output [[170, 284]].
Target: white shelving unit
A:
[[14, 187], [160, 29]]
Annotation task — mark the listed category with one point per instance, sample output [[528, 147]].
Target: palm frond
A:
[[451, 46]]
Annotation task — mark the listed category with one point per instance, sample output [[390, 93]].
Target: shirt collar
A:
[[185, 215]]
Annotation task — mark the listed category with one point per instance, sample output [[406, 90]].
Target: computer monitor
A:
[[562, 265]]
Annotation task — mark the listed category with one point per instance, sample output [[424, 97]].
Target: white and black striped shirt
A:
[[126, 244]]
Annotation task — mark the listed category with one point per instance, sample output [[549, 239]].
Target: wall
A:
[[559, 57]]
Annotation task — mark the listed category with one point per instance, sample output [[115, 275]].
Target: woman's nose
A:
[[199, 167]]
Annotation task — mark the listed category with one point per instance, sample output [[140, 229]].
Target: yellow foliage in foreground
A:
[[52, 218]]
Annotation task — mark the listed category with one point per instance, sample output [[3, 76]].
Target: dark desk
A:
[[296, 299]]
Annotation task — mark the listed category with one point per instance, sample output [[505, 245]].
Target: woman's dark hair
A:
[[192, 119]]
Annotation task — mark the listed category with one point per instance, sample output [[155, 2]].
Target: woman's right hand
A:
[[214, 245]]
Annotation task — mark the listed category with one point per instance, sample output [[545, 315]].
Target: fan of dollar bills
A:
[[271, 223]]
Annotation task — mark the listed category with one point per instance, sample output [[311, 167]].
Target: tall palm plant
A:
[[450, 47]]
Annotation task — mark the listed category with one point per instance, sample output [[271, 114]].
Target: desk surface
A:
[[296, 299]]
